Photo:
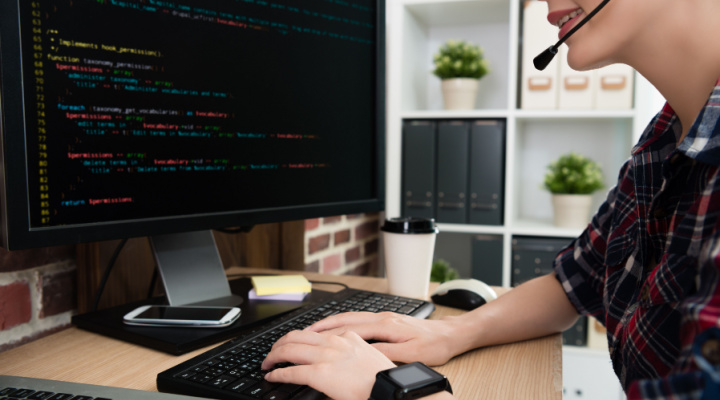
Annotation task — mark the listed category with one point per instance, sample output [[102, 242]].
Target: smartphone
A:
[[182, 316]]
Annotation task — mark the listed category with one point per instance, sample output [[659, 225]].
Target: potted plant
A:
[[442, 272], [572, 179], [459, 65]]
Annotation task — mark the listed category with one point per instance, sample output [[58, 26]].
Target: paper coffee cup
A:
[[409, 245]]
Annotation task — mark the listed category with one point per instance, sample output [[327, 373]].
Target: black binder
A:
[[487, 172], [487, 258], [418, 169], [452, 167]]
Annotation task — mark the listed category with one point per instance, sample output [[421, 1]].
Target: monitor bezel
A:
[[14, 186]]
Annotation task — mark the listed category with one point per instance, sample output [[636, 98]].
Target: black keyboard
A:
[[232, 370], [15, 388]]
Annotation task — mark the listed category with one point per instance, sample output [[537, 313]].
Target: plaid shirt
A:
[[648, 265]]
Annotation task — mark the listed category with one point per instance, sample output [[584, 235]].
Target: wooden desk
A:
[[525, 370]]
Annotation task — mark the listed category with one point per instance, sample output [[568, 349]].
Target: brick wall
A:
[[37, 293], [37, 287], [346, 244]]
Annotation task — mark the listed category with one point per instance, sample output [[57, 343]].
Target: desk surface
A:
[[524, 370]]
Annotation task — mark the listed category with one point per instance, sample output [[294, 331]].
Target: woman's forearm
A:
[[536, 308]]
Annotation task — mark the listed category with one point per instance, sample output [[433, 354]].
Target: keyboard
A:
[[15, 387], [232, 370]]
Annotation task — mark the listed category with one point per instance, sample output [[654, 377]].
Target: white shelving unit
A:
[[416, 29]]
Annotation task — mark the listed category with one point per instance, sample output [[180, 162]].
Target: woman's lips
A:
[[565, 19]]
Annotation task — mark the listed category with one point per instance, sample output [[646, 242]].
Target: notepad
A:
[[299, 296], [266, 285]]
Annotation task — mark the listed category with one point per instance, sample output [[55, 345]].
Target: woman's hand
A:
[[400, 337], [341, 366]]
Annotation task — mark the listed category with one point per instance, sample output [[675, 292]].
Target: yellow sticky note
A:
[[266, 285]]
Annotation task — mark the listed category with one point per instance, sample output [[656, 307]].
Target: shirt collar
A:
[[702, 142]]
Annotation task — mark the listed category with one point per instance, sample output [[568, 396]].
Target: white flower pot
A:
[[459, 93], [571, 210]]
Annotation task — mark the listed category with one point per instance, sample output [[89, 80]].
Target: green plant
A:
[[460, 59], [573, 174], [442, 272]]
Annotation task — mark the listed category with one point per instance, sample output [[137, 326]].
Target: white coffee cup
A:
[[409, 246]]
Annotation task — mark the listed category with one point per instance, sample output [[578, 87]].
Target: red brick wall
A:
[[37, 293], [345, 244]]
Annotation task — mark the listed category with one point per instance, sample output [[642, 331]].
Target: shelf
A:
[[542, 228], [530, 115], [474, 229], [534, 138], [455, 114], [523, 115]]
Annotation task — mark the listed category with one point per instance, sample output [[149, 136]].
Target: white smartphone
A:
[[182, 316]]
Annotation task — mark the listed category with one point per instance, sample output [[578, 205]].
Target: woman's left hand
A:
[[341, 366]]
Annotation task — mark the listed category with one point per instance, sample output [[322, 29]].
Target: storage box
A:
[[615, 87], [577, 88], [539, 89]]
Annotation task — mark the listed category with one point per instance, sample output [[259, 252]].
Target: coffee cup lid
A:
[[410, 225]]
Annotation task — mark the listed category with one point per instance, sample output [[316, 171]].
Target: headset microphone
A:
[[544, 58]]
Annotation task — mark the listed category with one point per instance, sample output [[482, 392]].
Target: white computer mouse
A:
[[466, 294]]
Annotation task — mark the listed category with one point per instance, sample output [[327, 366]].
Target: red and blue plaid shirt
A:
[[648, 265]]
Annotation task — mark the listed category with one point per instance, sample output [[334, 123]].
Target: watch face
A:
[[410, 375], [409, 381]]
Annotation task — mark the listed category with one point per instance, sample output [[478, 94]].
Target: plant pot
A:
[[571, 210], [459, 93]]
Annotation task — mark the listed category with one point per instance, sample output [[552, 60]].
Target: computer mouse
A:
[[465, 294]]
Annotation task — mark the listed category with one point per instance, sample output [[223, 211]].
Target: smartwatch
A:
[[409, 381]]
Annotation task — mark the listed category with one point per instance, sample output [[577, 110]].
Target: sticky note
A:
[[265, 285], [280, 296]]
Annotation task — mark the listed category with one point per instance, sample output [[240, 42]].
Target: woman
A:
[[647, 266]]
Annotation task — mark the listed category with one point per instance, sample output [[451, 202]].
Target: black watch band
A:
[[409, 381]]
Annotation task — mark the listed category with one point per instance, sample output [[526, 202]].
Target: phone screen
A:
[[184, 313]]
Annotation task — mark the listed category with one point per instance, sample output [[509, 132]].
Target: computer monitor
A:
[[166, 119]]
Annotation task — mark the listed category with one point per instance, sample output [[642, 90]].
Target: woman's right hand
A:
[[400, 337]]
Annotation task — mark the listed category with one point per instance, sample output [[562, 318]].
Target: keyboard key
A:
[[61, 396], [241, 385], [221, 381], [41, 395], [259, 391], [276, 395], [22, 393]]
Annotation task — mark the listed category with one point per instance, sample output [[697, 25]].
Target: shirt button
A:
[[660, 213], [711, 351], [645, 294]]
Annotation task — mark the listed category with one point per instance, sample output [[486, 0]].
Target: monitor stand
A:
[[191, 270]]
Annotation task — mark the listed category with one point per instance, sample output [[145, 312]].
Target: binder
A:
[[487, 172], [452, 171], [487, 259], [418, 169], [533, 257], [472, 256]]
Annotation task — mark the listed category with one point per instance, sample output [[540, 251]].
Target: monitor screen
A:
[[125, 118]]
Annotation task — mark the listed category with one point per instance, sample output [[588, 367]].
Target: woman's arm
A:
[[536, 308]]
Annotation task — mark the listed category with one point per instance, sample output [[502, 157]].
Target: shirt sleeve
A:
[[580, 267]]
